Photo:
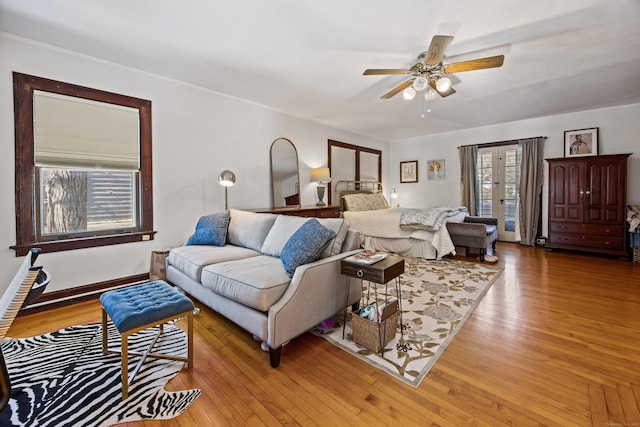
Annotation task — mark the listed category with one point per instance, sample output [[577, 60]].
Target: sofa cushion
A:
[[340, 227], [283, 228], [257, 282], [211, 230], [305, 245], [191, 259], [285, 225], [249, 229]]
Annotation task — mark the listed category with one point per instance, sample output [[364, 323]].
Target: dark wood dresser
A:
[[307, 211], [587, 204]]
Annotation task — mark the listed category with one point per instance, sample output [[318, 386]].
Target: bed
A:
[[413, 232]]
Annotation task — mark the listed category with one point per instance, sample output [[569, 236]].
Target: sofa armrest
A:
[[316, 292]]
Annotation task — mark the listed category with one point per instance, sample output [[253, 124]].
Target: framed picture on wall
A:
[[435, 170], [581, 142], [409, 171]]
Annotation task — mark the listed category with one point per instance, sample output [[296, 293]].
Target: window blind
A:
[[79, 133]]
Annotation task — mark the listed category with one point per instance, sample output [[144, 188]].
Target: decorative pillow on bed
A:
[[211, 230], [365, 202], [305, 245], [378, 201]]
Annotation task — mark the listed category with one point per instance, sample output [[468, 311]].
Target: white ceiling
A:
[[306, 57]]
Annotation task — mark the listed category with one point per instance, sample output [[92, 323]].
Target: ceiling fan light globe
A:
[[420, 83], [430, 95], [443, 84], [409, 93]]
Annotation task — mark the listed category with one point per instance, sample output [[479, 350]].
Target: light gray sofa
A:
[[246, 281]]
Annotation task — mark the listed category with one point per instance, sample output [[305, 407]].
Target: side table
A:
[[381, 272]]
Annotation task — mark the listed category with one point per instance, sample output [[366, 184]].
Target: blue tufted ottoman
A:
[[139, 307]]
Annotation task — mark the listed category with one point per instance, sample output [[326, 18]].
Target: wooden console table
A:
[[306, 211]]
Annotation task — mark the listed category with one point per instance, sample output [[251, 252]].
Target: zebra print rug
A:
[[63, 379]]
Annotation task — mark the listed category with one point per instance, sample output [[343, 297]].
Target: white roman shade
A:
[[74, 132]]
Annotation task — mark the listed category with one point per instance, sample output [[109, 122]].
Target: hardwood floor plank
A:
[[630, 405], [552, 343]]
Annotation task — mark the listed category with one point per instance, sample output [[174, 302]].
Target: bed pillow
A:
[[305, 245], [378, 201], [365, 202], [211, 230]]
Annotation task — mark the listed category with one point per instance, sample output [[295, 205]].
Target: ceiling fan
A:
[[429, 72]]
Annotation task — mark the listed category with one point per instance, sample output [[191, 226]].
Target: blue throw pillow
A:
[[211, 230], [305, 245]]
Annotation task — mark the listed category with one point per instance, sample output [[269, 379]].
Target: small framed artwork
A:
[[435, 171], [409, 171], [581, 142]]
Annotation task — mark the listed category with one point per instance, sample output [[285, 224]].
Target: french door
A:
[[498, 181]]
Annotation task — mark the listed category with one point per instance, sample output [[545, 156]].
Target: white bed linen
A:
[[385, 224]]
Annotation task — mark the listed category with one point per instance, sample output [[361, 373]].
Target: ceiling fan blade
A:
[[436, 49], [397, 89], [474, 64], [443, 94], [381, 71]]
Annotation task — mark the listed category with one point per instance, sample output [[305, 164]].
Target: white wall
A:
[[619, 132], [196, 134]]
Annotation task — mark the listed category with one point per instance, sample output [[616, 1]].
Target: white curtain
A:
[[531, 179]]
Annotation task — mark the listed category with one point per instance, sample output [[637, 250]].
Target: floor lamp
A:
[[226, 179]]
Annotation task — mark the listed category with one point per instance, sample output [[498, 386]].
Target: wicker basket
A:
[[372, 334]]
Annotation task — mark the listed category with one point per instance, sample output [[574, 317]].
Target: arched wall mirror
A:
[[285, 177]]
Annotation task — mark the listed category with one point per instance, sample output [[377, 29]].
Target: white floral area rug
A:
[[437, 297]]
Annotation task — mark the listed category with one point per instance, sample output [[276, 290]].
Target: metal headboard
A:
[[353, 187]]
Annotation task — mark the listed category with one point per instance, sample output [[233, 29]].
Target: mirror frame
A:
[[296, 203], [357, 150]]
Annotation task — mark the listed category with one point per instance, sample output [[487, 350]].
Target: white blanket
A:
[[430, 219], [385, 223]]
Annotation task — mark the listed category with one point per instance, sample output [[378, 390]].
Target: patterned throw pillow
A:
[[305, 245], [365, 201], [211, 230]]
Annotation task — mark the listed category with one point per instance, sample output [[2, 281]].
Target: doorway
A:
[[498, 181]]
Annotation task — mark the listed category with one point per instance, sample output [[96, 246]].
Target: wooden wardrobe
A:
[[587, 204]]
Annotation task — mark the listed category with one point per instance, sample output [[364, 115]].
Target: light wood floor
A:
[[555, 342]]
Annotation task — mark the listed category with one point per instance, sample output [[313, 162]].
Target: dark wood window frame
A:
[[23, 88]]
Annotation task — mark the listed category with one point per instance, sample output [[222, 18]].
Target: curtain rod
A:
[[509, 142]]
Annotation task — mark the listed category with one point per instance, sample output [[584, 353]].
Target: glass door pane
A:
[[498, 180]]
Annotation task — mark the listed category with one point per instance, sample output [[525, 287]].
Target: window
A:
[[83, 166]]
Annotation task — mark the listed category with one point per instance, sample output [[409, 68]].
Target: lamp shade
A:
[[320, 175], [226, 178]]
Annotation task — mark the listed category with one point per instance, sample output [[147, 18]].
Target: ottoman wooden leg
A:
[[125, 365]]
